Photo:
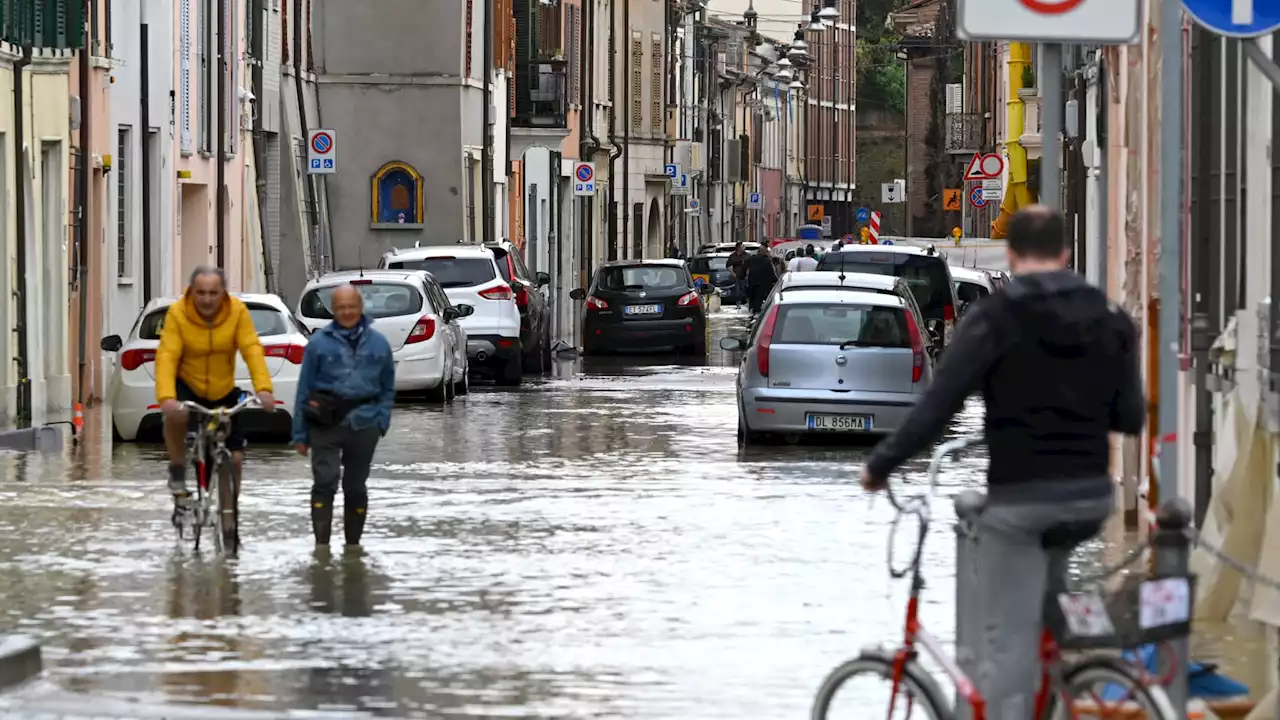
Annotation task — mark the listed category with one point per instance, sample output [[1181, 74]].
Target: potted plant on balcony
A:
[[1028, 88], [557, 55]]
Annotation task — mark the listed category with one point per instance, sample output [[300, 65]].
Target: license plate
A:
[[643, 309], [840, 423]]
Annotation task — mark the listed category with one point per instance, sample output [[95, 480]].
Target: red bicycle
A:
[[1091, 687]]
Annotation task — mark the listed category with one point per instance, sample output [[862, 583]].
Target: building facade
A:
[[831, 135]]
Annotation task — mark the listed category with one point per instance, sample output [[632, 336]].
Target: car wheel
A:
[[440, 393], [532, 363], [512, 373], [746, 436]]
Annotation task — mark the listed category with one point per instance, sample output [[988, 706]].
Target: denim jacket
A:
[[351, 363]]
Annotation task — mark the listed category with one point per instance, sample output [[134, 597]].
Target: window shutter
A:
[[757, 132], [185, 72], [744, 158], [655, 82], [637, 79], [733, 157], [573, 47], [231, 55]]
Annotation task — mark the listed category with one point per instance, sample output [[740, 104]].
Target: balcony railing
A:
[[541, 97], [965, 133]]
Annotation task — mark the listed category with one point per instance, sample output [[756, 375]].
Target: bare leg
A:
[[175, 443]]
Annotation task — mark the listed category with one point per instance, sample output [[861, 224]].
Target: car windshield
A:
[[266, 320], [926, 276], [970, 291], [380, 300], [452, 272], [642, 277], [708, 264], [840, 323]]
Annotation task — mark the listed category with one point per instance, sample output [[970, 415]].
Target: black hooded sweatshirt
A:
[[1057, 366]]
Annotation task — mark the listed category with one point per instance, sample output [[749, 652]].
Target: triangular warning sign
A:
[[974, 171]]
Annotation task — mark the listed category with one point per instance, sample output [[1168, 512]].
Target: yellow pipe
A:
[[1018, 193]]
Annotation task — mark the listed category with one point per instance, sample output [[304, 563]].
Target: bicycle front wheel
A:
[[1104, 688], [865, 687]]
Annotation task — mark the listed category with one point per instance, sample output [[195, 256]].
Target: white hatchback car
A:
[[470, 274], [411, 309], [132, 391]]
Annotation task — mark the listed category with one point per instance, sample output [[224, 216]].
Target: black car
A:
[[643, 305], [535, 310], [714, 268]]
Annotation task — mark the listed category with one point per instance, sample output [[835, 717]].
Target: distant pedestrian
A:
[[803, 261], [737, 264], [346, 389], [761, 274]]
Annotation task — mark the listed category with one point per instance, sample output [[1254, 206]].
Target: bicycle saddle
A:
[[1067, 535]]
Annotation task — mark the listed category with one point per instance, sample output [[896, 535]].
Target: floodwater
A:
[[591, 545]]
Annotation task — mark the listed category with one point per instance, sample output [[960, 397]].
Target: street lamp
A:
[[796, 84], [783, 62], [784, 75], [799, 49], [815, 22], [829, 14]]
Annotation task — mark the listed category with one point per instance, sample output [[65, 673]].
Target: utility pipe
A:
[[220, 159], [84, 212], [23, 410], [626, 131], [144, 36]]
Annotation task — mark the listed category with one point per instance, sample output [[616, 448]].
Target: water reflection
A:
[[208, 592]]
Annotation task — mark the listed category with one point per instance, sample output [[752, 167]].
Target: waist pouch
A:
[[325, 409]]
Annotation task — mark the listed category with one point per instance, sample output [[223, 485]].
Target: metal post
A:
[[1171, 123], [1051, 128], [1172, 556]]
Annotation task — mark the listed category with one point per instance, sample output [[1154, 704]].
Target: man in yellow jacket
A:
[[196, 362]]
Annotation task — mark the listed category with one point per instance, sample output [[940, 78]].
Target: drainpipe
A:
[[83, 213], [220, 126], [257, 55], [20, 291], [587, 148], [486, 159], [611, 220], [144, 36], [1019, 194], [626, 127], [314, 214]]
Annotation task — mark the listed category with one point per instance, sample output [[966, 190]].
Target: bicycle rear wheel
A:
[[918, 696], [228, 526], [1104, 688]]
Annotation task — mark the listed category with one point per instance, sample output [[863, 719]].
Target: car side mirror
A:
[[112, 343], [543, 279], [464, 310], [935, 330], [731, 343], [450, 314], [578, 294]]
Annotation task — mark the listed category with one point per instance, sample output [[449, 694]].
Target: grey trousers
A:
[[342, 455], [1008, 572]]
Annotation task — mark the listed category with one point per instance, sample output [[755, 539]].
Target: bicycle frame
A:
[[208, 451]]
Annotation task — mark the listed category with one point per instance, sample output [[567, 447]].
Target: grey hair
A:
[[202, 270]]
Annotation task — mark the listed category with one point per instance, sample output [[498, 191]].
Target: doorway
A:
[[193, 228], [653, 234]]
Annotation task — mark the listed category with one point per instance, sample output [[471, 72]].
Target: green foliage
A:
[[882, 80], [1028, 77]]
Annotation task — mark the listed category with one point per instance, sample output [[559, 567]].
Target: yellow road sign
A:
[[816, 213], [951, 199]]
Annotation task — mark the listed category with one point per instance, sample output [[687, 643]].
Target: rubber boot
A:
[[322, 520], [353, 524]]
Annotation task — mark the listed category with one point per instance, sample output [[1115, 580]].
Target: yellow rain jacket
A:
[[203, 354]]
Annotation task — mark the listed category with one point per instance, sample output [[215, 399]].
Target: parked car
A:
[[1000, 278], [924, 269], [535, 309], [643, 305], [971, 284], [421, 323], [713, 269], [497, 332], [727, 247], [830, 361], [131, 393]]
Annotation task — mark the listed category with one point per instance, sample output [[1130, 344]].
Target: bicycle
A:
[[1060, 680], [216, 503]]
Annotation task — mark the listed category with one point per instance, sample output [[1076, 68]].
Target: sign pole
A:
[[1051, 130]]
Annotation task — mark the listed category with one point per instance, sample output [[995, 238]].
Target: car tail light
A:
[[522, 297], [688, 299], [766, 340], [595, 303], [134, 359], [917, 348], [498, 292], [949, 312], [422, 331], [292, 353]]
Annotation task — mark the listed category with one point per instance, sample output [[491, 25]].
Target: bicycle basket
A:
[[1142, 610]]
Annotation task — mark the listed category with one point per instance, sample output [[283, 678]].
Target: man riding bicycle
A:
[[1057, 367], [196, 362]]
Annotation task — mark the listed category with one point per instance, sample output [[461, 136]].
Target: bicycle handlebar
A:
[[249, 401], [921, 501]]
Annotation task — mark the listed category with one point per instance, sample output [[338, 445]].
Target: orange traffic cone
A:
[[77, 419]]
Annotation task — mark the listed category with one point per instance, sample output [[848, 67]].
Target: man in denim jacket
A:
[[347, 364]]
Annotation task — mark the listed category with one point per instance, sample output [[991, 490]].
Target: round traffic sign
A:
[[886, 242], [322, 142], [975, 197], [584, 173], [992, 165], [1051, 7], [1238, 18], [862, 215]]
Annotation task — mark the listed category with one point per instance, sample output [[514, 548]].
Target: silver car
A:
[[831, 361]]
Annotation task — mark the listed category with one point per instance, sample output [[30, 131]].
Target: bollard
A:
[[1172, 558], [968, 636], [19, 660]]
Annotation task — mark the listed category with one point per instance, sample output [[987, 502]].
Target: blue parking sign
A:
[[328, 163], [315, 164]]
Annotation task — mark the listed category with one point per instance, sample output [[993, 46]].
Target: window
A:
[[204, 77], [266, 320], [573, 52], [642, 277], [708, 264], [124, 198], [452, 272], [637, 80], [836, 324], [396, 195], [380, 300], [926, 276], [970, 291]]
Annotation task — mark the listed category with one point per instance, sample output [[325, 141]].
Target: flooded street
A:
[[589, 546]]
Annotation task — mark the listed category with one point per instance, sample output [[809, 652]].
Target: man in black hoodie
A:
[[1057, 367]]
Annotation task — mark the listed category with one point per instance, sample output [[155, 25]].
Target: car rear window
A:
[[708, 264], [641, 277], [970, 291], [452, 272], [380, 300], [926, 276], [266, 320], [839, 323]]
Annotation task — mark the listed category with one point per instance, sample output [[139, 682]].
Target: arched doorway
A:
[[653, 232]]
